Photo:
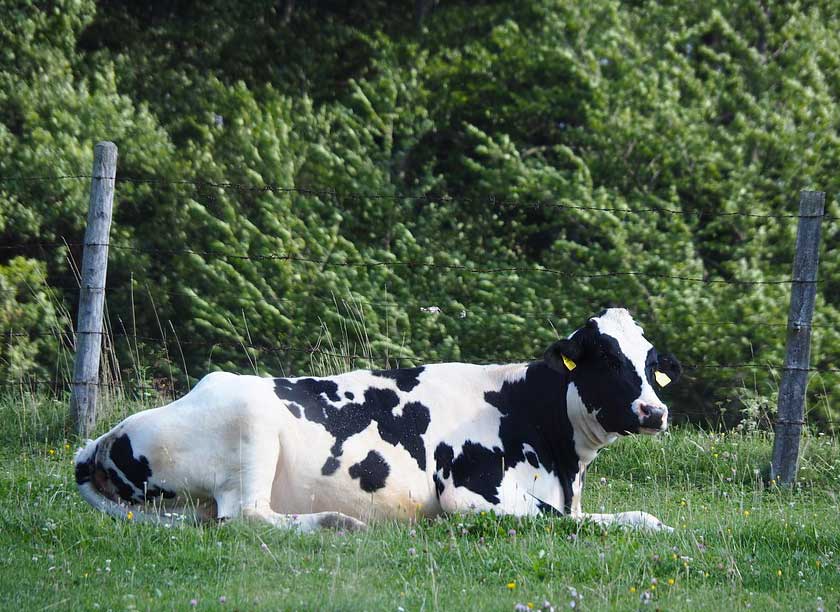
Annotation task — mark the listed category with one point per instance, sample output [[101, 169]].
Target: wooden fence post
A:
[[798, 354], [89, 327]]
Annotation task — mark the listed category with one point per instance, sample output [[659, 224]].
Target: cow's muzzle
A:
[[653, 418]]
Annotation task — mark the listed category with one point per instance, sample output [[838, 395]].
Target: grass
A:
[[738, 543]]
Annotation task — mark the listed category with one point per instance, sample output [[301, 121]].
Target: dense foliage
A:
[[477, 151]]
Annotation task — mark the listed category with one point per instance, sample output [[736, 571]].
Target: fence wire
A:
[[407, 356], [336, 195], [282, 256]]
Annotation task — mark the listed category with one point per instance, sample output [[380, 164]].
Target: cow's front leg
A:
[[635, 519]]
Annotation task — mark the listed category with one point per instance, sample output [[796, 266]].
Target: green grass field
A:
[[738, 543]]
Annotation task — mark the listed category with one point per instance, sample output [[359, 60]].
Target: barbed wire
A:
[[144, 286], [370, 357], [40, 245], [444, 197], [46, 178], [334, 194], [282, 256], [63, 383]]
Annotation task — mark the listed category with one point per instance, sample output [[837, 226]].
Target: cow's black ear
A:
[[670, 366], [563, 355]]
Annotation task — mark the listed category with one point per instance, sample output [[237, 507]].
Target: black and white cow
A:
[[450, 437]]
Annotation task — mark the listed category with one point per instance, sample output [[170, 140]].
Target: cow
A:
[[305, 453]]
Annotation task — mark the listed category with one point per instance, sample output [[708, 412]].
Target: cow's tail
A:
[[95, 487]]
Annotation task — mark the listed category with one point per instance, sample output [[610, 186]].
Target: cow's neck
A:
[[590, 436], [531, 401]]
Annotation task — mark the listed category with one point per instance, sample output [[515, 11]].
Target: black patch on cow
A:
[[568, 491], [531, 457], [137, 470], [319, 399], [124, 490], [154, 492], [330, 466], [545, 508], [443, 459], [349, 395], [406, 378], [158, 492], [294, 409], [84, 470], [479, 469], [407, 429], [371, 472], [651, 361], [439, 486], [308, 392], [443, 466], [534, 412]]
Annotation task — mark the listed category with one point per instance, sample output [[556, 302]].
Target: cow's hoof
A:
[[651, 523], [656, 525], [643, 521], [339, 521]]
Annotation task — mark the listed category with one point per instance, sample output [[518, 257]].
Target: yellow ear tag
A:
[[569, 363], [662, 378]]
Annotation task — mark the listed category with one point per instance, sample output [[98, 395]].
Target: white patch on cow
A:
[[462, 387], [590, 436], [577, 491], [300, 486], [522, 487]]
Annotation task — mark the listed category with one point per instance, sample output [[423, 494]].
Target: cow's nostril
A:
[[644, 409]]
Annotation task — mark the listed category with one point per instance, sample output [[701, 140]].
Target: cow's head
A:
[[614, 373]]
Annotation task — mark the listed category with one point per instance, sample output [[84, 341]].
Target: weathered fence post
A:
[[798, 355], [89, 328]]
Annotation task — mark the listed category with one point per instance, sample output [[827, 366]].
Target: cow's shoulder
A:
[[533, 439]]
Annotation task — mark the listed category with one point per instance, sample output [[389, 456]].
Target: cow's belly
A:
[[372, 479]]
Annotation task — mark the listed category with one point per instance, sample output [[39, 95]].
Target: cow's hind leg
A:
[[250, 497]]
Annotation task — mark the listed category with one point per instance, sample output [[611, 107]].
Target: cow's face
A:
[[615, 371]]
